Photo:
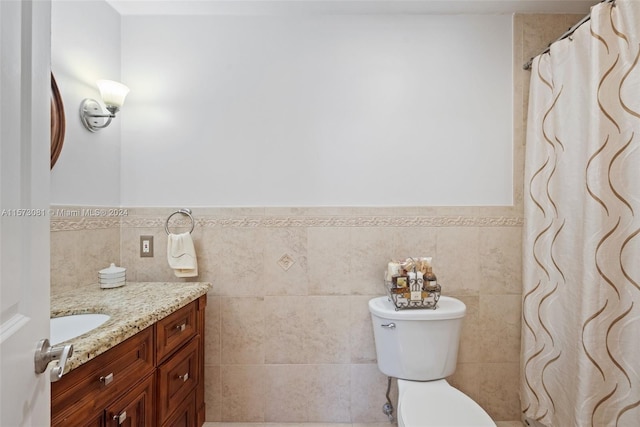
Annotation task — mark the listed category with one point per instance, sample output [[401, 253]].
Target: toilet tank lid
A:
[[447, 308]]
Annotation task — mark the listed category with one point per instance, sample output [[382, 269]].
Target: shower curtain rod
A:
[[570, 31]]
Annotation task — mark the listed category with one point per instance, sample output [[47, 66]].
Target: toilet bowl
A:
[[438, 404], [419, 347]]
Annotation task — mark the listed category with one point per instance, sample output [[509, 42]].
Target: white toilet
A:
[[419, 347]]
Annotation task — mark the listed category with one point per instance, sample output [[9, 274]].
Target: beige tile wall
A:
[[296, 344], [81, 245]]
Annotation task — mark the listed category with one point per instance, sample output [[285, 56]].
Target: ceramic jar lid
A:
[[112, 271]]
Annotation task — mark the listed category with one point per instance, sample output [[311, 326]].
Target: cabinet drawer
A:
[[134, 409], [185, 415], [175, 330], [84, 391], [177, 378]]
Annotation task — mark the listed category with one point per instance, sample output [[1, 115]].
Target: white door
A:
[[24, 199]]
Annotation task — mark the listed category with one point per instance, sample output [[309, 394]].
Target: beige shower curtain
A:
[[581, 297]]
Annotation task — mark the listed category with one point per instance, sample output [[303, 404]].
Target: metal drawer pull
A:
[[108, 380], [184, 377], [120, 418], [181, 327], [389, 325]]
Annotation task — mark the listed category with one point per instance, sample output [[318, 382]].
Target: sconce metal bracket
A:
[[92, 115]]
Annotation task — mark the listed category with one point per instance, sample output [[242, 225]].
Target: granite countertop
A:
[[132, 308]]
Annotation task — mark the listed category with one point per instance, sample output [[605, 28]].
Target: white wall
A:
[[267, 110], [85, 47], [326, 110]]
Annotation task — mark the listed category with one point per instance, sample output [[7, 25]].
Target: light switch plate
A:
[[146, 246]]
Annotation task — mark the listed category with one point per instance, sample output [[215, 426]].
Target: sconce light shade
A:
[[91, 113], [113, 93]]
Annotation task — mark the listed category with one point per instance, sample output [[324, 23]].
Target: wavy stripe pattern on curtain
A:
[[581, 297]]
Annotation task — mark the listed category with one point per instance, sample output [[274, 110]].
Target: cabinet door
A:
[[177, 378], [185, 415], [96, 420], [135, 409]]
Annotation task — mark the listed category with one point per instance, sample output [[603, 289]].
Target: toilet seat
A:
[[438, 404]]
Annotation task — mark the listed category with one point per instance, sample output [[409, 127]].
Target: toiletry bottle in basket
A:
[[430, 280]]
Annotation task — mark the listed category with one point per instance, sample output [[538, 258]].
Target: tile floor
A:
[[499, 424]]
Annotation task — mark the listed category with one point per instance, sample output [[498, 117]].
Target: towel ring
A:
[[184, 211]]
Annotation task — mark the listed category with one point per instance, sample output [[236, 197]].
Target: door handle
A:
[[46, 353]]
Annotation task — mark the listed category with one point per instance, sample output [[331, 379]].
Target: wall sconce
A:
[[91, 113]]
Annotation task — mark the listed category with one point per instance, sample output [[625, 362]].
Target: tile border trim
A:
[[75, 224], [85, 223]]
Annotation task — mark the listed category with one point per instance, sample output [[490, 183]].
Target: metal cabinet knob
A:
[[181, 327], [184, 377]]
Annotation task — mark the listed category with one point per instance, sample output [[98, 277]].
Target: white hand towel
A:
[[181, 255]]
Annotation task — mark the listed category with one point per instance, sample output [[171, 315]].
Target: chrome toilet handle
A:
[[389, 325]]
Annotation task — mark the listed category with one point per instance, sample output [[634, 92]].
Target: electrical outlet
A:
[[146, 246]]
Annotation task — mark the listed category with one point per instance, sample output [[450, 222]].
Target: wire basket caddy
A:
[[416, 294]]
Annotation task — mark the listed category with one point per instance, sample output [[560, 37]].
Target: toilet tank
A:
[[417, 344]]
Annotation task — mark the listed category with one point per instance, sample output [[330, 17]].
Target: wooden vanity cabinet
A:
[[155, 378], [81, 396]]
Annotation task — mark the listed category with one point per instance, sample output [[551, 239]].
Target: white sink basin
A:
[[67, 327]]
